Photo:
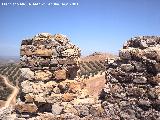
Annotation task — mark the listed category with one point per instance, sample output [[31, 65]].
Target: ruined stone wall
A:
[[132, 89], [45, 54], [51, 89], [48, 62]]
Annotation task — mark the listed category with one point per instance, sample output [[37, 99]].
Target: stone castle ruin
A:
[[132, 90], [46, 54], [51, 89]]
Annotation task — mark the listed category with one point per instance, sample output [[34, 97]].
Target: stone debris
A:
[[132, 81], [6, 113], [24, 108], [52, 89]]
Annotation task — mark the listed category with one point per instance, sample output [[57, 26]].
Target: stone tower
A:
[[49, 65]]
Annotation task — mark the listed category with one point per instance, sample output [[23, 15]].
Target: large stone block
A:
[[27, 73], [43, 52], [43, 75], [26, 108], [67, 97], [125, 54], [60, 74], [57, 109], [26, 50], [84, 101], [53, 98], [75, 86], [127, 67]]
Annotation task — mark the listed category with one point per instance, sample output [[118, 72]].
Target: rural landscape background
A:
[[100, 28]]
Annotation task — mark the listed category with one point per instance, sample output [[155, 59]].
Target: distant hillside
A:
[[9, 59], [98, 56]]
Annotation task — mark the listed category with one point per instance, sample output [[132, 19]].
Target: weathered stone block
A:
[[140, 80], [67, 97], [27, 73], [23, 108], [75, 86], [127, 67], [43, 52], [29, 98], [125, 54], [69, 108], [56, 109], [54, 98], [43, 75], [60, 74], [85, 101]]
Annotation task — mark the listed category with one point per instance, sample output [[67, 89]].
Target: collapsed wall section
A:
[[132, 89]]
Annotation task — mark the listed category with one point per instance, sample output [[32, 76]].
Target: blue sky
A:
[[93, 25]]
